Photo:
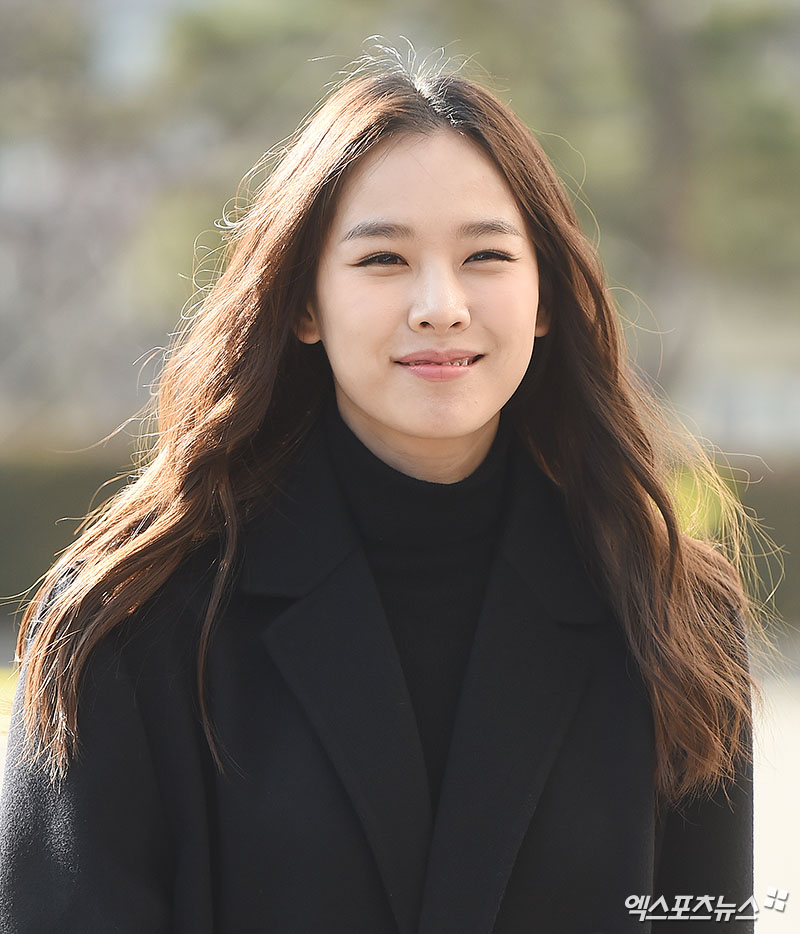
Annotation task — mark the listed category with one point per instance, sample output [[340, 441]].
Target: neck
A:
[[437, 460]]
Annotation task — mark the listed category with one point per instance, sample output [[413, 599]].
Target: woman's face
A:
[[426, 302]]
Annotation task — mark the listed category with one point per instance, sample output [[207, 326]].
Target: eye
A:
[[491, 254], [381, 259]]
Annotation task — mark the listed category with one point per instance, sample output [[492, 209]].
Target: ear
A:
[[542, 321], [307, 328]]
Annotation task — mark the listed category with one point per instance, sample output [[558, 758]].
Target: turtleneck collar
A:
[[389, 506]]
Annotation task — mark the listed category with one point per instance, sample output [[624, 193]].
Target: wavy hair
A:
[[239, 393]]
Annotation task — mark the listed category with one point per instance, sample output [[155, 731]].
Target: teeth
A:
[[463, 362]]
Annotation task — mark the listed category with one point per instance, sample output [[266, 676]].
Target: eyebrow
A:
[[386, 229], [493, 225]]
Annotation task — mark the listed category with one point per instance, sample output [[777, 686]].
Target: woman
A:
[[396, 629]]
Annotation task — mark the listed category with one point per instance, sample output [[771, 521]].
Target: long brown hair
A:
[[239, 393]]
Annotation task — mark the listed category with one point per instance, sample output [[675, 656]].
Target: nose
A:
[[439, 303]]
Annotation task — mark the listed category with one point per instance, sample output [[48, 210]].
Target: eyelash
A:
[[372, 260]]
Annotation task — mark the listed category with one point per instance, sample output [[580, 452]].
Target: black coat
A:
[[322, 822]]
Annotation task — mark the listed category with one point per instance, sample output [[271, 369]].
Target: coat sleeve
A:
[[92, 853], [707, 849]]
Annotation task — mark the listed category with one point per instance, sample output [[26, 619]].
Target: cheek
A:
[[361, 322], [338, 322], [527, 315], [355, 346], [514, 318], [516, 335]]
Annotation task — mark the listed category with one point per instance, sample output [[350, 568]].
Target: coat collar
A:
[[523, 682], [307, 531], [304, 533]]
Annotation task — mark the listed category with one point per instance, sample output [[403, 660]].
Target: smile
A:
[[464, 361], [440, 371]]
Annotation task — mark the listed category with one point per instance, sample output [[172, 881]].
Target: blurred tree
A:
[[678, 123], [747, 187]]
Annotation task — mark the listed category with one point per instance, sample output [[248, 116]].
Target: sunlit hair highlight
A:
[[239, 393]]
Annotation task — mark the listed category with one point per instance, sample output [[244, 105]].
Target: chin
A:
[[446, 427]]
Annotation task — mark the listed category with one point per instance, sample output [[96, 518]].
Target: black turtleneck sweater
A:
[[430, 548]]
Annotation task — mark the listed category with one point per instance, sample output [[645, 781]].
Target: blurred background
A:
[[125, 128]]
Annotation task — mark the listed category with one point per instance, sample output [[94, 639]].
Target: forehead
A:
[[421, 179]]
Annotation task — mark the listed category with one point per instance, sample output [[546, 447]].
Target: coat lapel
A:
[[523, 684], [524, 681], [336, 652]]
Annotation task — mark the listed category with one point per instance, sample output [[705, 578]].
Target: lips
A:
[[440, 358], [466, 361]]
